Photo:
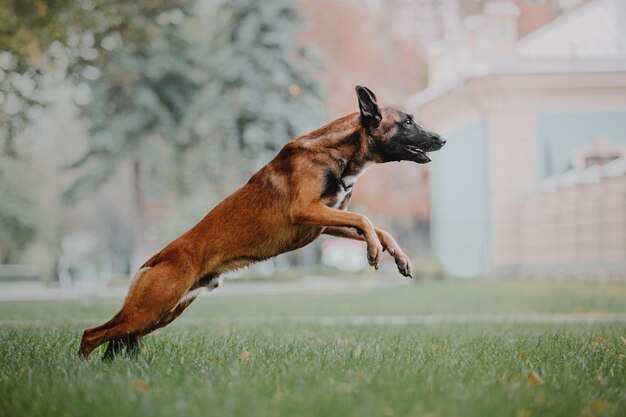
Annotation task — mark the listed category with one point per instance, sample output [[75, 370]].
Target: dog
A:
[[299, 195]]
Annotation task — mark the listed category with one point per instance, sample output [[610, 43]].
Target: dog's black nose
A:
[[436, 138]]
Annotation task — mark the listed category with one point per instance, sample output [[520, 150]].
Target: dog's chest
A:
[[344, 189], [338, 189]]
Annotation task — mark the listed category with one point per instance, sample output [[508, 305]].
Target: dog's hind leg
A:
[[94, 336], [210, 282], [132, 343], [154, 293], [171, 315]]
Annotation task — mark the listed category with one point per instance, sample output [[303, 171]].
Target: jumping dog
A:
[[302, 193]]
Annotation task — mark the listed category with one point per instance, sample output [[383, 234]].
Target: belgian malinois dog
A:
[[302, 193]]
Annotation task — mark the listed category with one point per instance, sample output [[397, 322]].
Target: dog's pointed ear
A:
[[370, 113]]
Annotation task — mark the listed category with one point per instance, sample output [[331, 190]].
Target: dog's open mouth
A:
[[419, 154]]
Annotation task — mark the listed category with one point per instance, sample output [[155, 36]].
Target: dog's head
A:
[[394, 135]]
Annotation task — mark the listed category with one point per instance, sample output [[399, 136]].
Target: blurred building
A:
[[532, 178], [381, 44]]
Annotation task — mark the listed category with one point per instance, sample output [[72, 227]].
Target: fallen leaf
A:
[[594, 409], [433, 346], [522, 355], [245, 355], [597, 382], [385, 410], [598, 341], [278, 396], [140, 384], [534, 379]]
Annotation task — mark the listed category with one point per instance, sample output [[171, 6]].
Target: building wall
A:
[[521, 113], [532, 122], [512, 172], [539, 98], [459, 219], [576, 230]]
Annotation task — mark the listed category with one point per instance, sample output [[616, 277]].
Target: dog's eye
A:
[[408, 122]]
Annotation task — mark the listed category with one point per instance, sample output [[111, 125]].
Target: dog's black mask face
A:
[[395, 136]]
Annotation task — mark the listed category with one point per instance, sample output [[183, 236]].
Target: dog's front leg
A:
[[318, 214], [389, 244]]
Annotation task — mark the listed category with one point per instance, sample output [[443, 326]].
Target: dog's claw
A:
[[404, 264]]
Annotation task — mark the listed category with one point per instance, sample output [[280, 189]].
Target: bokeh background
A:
[[123, 122]]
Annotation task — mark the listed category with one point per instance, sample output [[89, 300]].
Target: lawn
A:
[[212, 363]]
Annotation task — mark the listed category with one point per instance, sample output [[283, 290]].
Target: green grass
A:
[[211, 366]]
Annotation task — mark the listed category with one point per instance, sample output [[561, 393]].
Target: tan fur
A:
[[280, 209]]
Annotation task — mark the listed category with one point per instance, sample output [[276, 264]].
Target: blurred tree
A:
[[39, 38], [131, 53], [28, 28], [144, 100], [140, 89], [16, 218], [261, 89]]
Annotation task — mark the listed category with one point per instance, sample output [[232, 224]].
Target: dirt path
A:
[[381, 320], [30, 291]]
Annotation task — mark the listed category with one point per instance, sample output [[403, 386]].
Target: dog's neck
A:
[[346, 134], [349, 177], [360, 159]]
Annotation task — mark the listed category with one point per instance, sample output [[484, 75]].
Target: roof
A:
[[590, 38], [594, 30]]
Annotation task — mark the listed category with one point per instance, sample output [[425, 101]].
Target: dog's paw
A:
[[403, 263], [374, 254]]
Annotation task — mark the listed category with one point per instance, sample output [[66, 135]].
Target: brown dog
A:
[[302, 193]]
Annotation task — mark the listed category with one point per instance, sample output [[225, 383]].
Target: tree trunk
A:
[[141, 250]]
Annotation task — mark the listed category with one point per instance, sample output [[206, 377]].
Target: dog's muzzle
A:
[[419, 152]]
